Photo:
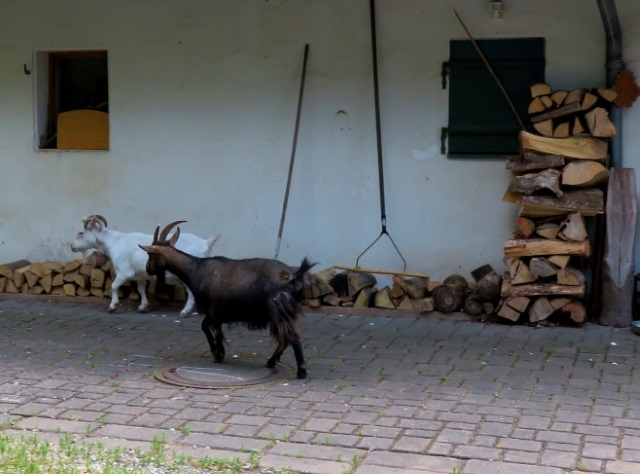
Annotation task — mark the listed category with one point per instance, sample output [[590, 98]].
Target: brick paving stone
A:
[[418, 462], [475, 466], [300, 464], [621, 467], [476, 452]]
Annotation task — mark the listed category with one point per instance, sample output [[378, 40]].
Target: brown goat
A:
[[258, 292]]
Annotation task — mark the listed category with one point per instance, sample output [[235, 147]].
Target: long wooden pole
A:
[[382, 272], [491, 71]]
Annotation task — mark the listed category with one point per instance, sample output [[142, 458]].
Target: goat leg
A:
[[206, 329], [275, 358], [115, 286], [217, 332], [302, 368], [142, 290]]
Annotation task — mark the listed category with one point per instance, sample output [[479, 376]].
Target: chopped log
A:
[[456, 280], [577, 127], [327, 274], [519, 303], [356, 281], [332, 299], [472, 305], [558, 97], [414, 287], [396, 291], [83, 292], [382, 299], [577, 311], [363, 299], [46, 282], [69, 277], [519, 271], [541, 88], [85, 269], [57, 291], [481, 272], [526, 227], [69, 288], [82, 281], [448, 298], [570, 276], [11, 287], [575, 95], [544, 128], [555, 113], [507, 312], [72, 265], [98, 277], [561, 130], [3, 284], [7, 269], [97, 292], [540, 309], [548, 230], [58, 280], [536, 106], [542, 268], [608, 95], [599, 123], [339, 284], [406, 303], [97, 260], [582, 148], [547, 101], [539, 289], [532, 182], [36, 290], [532, 161], [19, 277], [424, 305], [618, 264], [573, 228], [588, 101], [559, 261], [583, 173], [558, 303], [489, 286], [589, 202], [488, 307], [539, 247]]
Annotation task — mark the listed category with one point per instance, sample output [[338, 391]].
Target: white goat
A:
[[129, 260]]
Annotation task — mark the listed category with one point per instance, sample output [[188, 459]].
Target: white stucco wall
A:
[[203, 97]]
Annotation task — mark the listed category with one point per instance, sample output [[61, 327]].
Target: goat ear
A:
[[148, 248], [174, 237]]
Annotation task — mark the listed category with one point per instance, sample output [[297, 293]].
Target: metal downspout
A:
[[614, 63]]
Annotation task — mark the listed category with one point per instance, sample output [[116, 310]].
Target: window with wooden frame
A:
[[481, 121], [72, 100]]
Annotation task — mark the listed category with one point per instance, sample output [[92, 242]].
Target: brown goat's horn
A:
[[100, 218], [165, 231], [155, 235]]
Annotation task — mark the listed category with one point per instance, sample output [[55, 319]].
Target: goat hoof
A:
[[218, 359], [302, 373], [142, 310], [112, 310], [271, 363]]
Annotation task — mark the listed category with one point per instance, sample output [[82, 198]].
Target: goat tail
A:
[[284, 309], [300, 278]]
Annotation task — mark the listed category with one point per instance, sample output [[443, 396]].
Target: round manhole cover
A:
[[233, 372]]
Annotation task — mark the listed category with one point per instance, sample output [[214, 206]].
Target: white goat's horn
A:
[[165, 231], [100, 218]]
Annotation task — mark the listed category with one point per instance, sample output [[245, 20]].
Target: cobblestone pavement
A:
[[386, 394]]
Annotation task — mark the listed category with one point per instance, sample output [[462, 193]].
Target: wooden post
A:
[[618, 263]]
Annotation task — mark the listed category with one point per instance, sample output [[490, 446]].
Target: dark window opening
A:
[[481, 122], [77, 104]]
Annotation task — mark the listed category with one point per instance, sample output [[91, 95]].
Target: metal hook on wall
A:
[[27, 72]]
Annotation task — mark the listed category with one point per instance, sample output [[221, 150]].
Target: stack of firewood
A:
[[80, 277], [561, 114], [357, 288], [559, 184]]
